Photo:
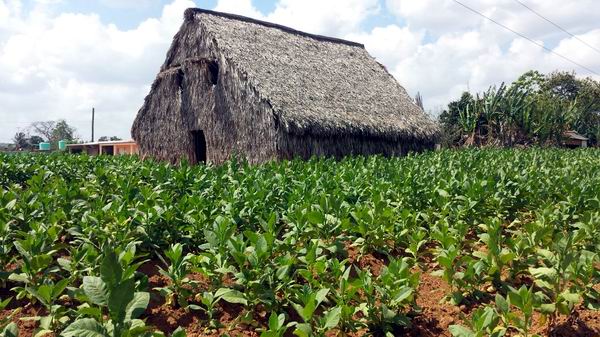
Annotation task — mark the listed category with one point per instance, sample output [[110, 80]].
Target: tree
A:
[[532, 82], [34, 141], [449, 120], [587, 122], [52, 132], [62, 131], [43, 129], [25, 142], [21, 141], [105, 138], [450, 117], [563, 85]]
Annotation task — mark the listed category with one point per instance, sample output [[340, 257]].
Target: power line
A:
[[526, 38], [557, 26]]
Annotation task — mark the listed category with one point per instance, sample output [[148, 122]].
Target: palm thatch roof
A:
[[574, 135], [315, 85]]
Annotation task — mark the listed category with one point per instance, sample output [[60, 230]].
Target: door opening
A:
[[108, 150], [199, 143]]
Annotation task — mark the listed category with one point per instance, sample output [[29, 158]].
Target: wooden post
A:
[[93, 113]]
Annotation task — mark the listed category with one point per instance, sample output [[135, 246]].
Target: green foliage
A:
[[526, 301], [10, 330], [210, 300], [535, 109], [277, 326], [330, 246], [178, 268], [112, 292], [483, 322]]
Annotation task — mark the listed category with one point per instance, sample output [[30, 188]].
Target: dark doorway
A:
[[199, 142], [108, 150], [213, 72]]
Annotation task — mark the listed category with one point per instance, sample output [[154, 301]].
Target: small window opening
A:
[[213, 72], [199, 143]]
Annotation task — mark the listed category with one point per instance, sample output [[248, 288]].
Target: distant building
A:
[[6, 147], [573, 139], [116, 147]]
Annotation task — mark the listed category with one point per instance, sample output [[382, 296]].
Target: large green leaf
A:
[[43, 293], [59, 287], [501, 304], [96, 290], [303, 330], [332, 318], [5, 303], [547, 308], [119, 298], [403, 294], [179, 332], [11, 330], [276, 321], [11, 204], [321, 295], [315, 217], [137, 305], [306, 311], [571, 297], [460, 331], [86, 327], [110, 269], [231, 296], [543, 272]]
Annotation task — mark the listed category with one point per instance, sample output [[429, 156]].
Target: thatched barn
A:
[[573, 139], [232, 85]]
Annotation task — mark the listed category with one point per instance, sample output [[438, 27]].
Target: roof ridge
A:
[[189, 15]]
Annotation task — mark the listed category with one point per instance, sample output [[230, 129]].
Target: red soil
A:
[[433, 320]]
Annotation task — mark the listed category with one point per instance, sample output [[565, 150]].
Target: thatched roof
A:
[[316, 85], [574, 135]]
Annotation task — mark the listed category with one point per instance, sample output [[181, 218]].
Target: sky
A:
[[60, 58]]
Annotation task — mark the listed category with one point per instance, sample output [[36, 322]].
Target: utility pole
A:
[[93, 112]]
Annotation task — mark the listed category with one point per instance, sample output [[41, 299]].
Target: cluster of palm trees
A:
[[536, 109]]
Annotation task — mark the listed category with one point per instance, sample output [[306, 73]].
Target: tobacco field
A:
[[466, 243]]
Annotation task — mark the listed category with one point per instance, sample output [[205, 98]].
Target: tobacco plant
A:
[[526, 300], [495, 256], [484, 322], [276, 327], [114, 304], [209, 301], [177, 269], [48, 294]]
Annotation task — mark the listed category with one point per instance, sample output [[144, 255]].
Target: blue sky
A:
[[125, 14], [58, 58]]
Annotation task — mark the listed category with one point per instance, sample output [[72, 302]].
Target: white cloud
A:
[[240, 7], [60, 66], [125, 4], [390, 44], [331, 17]]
